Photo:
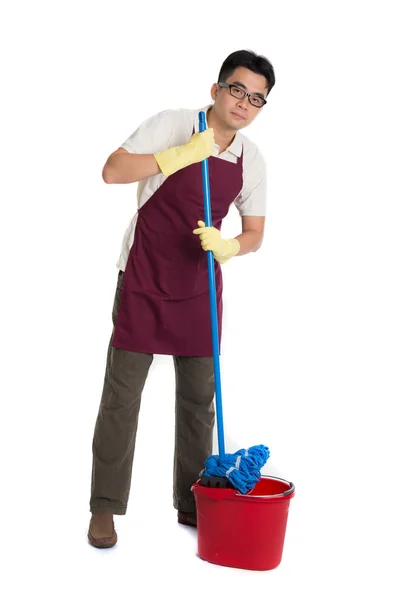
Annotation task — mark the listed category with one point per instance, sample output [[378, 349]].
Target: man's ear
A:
[[214, 90]]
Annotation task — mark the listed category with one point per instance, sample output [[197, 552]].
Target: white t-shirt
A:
[[174, 127]]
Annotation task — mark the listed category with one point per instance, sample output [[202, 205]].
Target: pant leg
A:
[[194, 425], [116, 425]]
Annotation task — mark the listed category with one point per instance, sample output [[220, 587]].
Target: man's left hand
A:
[[211, 239]]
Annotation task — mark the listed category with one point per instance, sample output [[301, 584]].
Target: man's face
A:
[[237, 113]]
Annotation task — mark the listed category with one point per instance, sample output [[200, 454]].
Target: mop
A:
[[240, 470]]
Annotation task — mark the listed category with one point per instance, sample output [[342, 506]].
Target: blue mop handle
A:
[[213, 297]]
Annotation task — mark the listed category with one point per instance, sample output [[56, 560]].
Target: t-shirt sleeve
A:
[[153, 135], [252, 200]]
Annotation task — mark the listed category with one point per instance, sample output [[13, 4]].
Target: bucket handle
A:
[[287, 493]]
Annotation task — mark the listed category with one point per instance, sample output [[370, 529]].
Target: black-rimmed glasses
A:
[[240, 93]]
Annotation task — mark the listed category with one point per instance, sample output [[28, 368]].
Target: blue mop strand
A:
[[242, 468]]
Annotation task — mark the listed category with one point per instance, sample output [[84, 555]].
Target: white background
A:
[[311, 330]]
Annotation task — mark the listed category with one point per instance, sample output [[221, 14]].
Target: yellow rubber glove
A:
[[211, 239], [199, 147]]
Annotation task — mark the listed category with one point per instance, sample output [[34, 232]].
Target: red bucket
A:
[[245, 531]]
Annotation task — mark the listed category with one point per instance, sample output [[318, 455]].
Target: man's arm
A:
[[124, 167], [128, 167], [252, 234]]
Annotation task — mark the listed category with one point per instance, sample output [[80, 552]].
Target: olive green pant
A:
[[117, 421]]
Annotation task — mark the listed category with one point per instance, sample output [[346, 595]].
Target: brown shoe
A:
[[187, 518], [101, 532]]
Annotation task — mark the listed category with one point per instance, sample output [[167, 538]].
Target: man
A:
[[161, 303]]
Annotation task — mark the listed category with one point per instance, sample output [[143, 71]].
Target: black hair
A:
[[250, 60]]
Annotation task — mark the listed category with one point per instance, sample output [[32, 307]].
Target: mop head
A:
[[242, 468]]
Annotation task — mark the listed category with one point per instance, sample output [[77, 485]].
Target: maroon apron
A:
[[165, 303]]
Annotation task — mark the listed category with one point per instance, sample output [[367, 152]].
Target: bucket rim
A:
[[283, 494]]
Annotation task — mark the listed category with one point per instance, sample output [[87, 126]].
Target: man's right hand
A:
[[199, 147]]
